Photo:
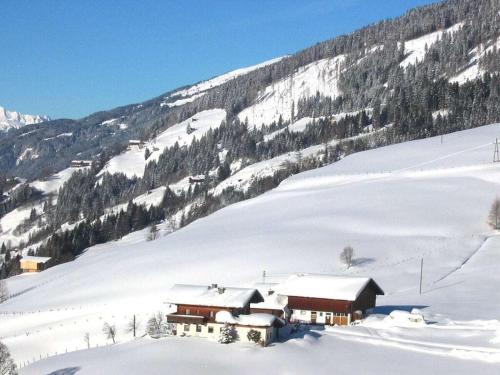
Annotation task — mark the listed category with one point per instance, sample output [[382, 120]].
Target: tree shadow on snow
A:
[[66, 371], [387, 309], [362, 261]]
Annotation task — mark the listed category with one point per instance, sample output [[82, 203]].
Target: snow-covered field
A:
[[395, 205], [132, 162]]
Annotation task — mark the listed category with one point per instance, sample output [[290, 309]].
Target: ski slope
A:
[[395, 205], [132, 162]]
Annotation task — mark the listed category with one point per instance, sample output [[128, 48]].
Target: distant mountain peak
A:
[[12, 119]]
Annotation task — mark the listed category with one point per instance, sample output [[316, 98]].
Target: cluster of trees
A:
[[7, 365]]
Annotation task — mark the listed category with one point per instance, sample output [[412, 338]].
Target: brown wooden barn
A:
[[328, 299]]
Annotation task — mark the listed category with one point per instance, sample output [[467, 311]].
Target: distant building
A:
[[35, 264], [204, 310], [135, 143], [196, 179], [81, 163], [328, 299]]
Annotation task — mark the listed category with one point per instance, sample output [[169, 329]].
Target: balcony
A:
[[186, 319]]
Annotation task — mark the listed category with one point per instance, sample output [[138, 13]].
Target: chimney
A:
[[221, 290], [270, 292], [214, 286]]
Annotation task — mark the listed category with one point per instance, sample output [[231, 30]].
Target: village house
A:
[[34, 264], [328, 299], [203, 311], [135, 143], [81, 163]]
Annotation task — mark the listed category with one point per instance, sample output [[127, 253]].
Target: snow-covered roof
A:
[[203, 295], [255, 320], [326, 286], [35, 259], [272, 300]]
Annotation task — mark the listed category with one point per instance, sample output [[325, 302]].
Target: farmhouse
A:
[[135, 143], [81, 163], [204, 310], [328, 299], [35, 264]]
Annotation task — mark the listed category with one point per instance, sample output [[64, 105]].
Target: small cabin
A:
[[135, 144], [34, 264], [203, 311], [196, 180], [81, 163], [329, 299]]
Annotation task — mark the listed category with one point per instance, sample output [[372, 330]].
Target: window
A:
[[186, 327], [210, 329], [188, 311], [198, 328], [302, 312], [211, 314], [320, 314]]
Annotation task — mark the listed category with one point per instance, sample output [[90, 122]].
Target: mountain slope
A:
[[16, 120], [394, 205]]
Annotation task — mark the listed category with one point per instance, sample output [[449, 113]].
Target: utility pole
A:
[[264, 277], [496, 155], [421, 273], [134, 325]]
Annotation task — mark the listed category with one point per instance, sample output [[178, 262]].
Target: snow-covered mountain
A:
[[12, 119]]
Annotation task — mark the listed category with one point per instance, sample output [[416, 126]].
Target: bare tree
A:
[[153, 233], [133, 326], [494, 217], [86, 337], [156, 325], [109, 331], [347, 255], [7, 365], [4, 291]]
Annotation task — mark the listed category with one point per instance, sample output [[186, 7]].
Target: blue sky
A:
[[72, 58]]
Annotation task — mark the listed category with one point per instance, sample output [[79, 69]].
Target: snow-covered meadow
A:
[[395, 205]]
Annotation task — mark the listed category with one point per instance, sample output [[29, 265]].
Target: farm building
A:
[[328, 299], [81, 163], [203, 311], [135, 143], [35, 264]]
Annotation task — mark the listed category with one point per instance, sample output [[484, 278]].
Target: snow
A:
[[36, 259], [59, 136], [203, 295], [315, 351], [405, 318], [298, 126], [415, 48], [132, 162], [10, 221], [27, 154], [254, 320], [52, 183], [395, 205], [277, 99], [11, 119], [473, 71], [323, 286], [196, 91]]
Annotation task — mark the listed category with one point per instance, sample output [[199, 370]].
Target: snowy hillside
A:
[[394, 205], [132, 162], [11, 119], [278, 99], [194, 92]]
